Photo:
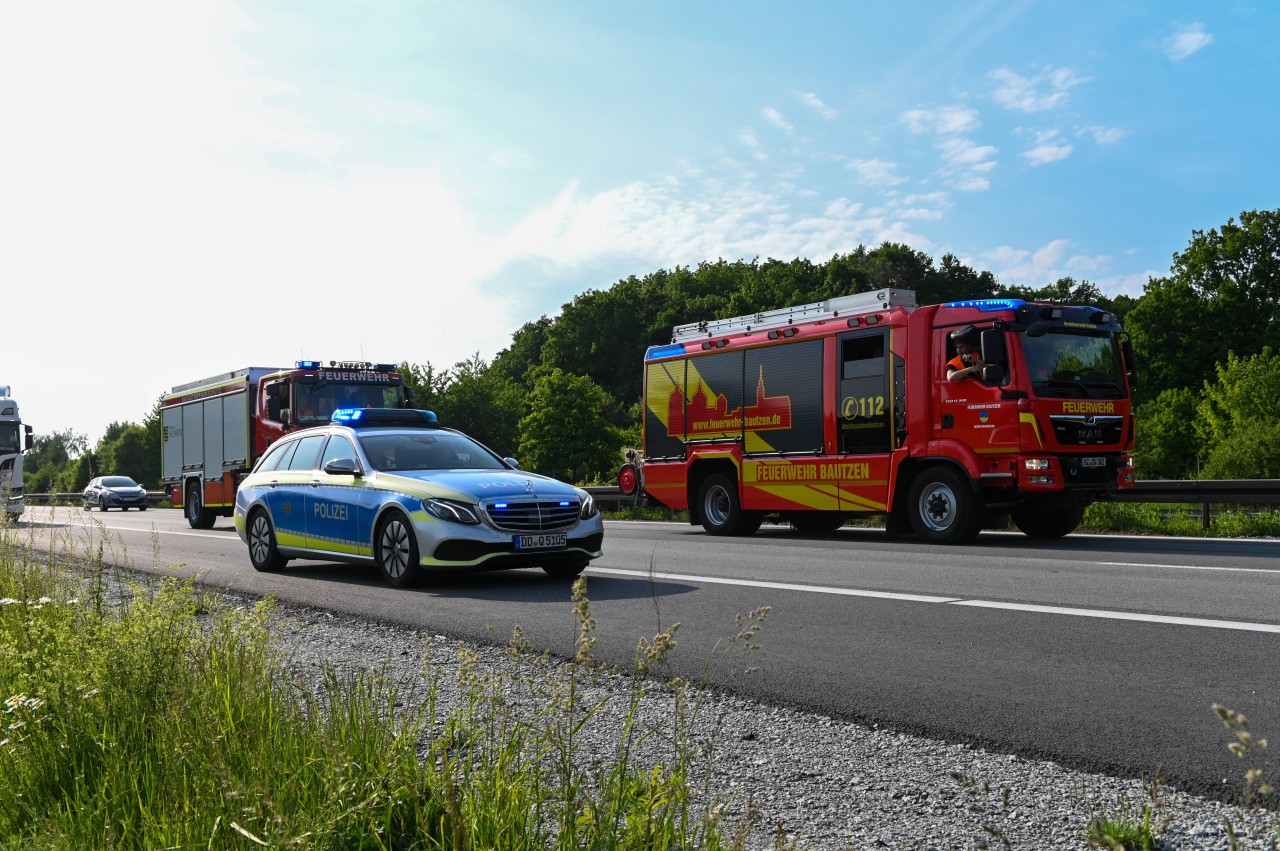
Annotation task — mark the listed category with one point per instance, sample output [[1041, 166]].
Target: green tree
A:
[[50, 458], [1237, 416], [1222, 295], [424, 384], [1167, 444], [483, 403], [566, 433], [128, 452]]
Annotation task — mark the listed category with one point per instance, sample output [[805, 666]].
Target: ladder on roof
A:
[[832, 308]]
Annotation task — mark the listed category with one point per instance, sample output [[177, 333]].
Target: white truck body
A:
[[15, 438]]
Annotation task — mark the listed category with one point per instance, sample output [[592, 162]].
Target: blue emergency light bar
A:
[[659, 352], [989, 305], [308, 364], [366, 417]]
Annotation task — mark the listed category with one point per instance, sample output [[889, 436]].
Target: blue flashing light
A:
[[308, 364], [384, 367], [667, 351], [564, 503], [989, 305], [500, 505], [347, 415]]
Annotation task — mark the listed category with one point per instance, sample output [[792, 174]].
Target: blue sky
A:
[[188, 188]]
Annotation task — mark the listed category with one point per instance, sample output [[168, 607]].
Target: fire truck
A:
[[215, 429], [15, 438], [843, 408]]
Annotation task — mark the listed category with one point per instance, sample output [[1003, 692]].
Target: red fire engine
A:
[[216, 428], [843, 408]]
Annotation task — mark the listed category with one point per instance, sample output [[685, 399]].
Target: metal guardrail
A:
[[153, 498], [1203, 492]]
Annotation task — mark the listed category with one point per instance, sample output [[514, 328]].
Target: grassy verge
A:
[[158, 716]]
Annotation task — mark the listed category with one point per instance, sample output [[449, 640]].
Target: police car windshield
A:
[[433, 450]]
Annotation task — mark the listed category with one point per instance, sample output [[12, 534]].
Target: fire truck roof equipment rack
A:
[[832, 308]]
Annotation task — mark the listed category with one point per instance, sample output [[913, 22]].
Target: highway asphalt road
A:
[[1101, 653]]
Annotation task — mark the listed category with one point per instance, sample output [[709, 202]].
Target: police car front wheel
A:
[[262, 544], [397, 552]]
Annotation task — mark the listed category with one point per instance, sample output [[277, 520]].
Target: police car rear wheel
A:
[[262, 544], [397, 552]]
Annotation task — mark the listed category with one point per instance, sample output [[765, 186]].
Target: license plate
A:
[[1093, 462], [541, 542]]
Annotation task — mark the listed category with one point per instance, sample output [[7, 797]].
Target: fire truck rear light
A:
[[1040, 480], [1036, 463]]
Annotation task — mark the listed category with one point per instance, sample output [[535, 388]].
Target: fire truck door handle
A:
[[947, 422]]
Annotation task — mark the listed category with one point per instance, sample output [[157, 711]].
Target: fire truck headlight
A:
[[589, 508], [453, 512], [1036, 463]]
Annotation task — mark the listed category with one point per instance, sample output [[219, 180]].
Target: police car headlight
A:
[[454, 512], [588, 509]]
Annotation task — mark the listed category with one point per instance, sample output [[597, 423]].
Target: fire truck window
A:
[[308, 453], [866, 406], [278, 457]]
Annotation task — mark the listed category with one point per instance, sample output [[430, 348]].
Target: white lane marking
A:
[[1123, 616], [1105, 614], [1190, 567]]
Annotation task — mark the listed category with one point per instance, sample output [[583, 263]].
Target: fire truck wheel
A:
[[565, 569], [198, 517], [262, 544], [1048, 522], [628, 479], [943, 508], [396, 550], [721, 511]]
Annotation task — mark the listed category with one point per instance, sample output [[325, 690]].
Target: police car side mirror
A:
[[514, 464], [342, 467]]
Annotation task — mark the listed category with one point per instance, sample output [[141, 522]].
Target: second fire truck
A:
[[826, 411], [215, 429]]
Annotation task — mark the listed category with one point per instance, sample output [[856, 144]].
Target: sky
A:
[[188, 188]]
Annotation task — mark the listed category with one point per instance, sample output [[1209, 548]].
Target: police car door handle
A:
[[273, 483], [315, 483]]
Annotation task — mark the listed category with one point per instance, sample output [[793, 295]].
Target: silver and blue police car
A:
[[392, 487]]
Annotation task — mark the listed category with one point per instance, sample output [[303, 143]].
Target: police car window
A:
[[339, 447], [277, 457], [435, 450], [308, 453]]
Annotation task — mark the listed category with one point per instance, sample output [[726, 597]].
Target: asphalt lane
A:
[[1101, 653]]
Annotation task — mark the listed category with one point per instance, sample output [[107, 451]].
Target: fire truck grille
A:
[[1087, 431], [533, 515]]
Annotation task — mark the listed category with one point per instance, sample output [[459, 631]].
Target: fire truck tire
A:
[[628, 479], [943, 508], [565, 569], [720, 509], [198, 517], [1046, 522], [817, 522], [262, 544], [396, 551]]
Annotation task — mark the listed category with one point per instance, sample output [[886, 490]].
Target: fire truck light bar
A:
[[657, 352], [308, 364], [989, 305]]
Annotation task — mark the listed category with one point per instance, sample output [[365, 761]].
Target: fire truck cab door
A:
[[864, 419]]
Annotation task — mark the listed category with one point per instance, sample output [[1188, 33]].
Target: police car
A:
[[392, 487]]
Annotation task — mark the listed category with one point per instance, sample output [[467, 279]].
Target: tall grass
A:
[[145, 716]]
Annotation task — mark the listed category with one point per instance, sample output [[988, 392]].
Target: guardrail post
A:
[[1204, 516]]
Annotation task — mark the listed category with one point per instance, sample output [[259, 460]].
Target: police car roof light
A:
[[369, 417]]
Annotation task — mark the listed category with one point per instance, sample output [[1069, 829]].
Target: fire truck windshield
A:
[[315, 401], [1068, 365], [9, 439]]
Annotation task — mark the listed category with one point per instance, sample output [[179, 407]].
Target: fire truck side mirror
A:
[[284, 417], [1130, 362], [993, 374]]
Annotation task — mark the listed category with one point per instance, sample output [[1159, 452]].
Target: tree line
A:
[[564, 396]]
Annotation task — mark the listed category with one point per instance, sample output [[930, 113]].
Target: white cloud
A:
[[965, 152], [1045, 91], [1103, 135], [812, 101], [945, 120], [1044, 265], [775, 118], [1049, 147], [875, 172], [1190, 39]]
